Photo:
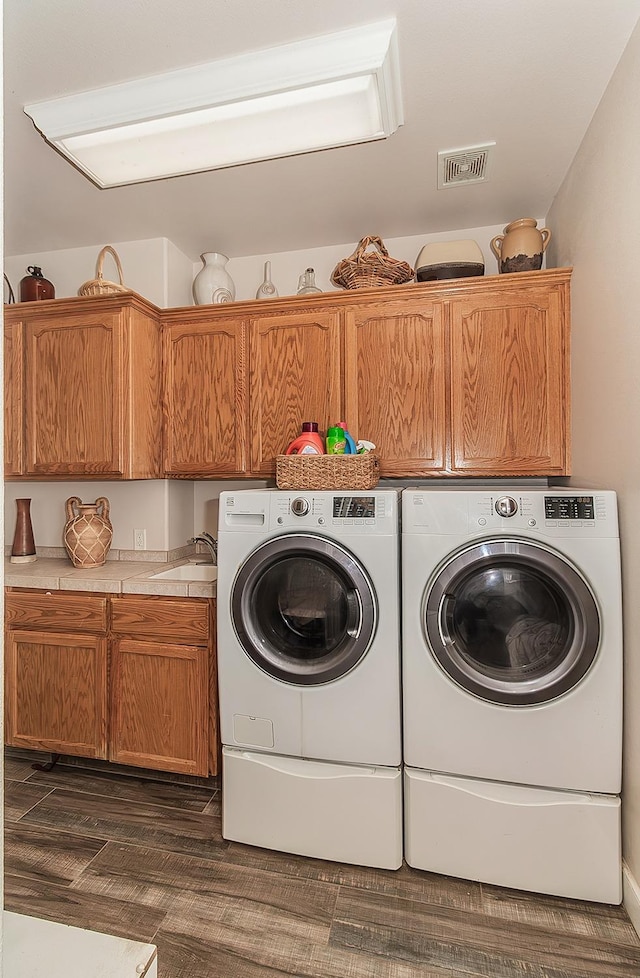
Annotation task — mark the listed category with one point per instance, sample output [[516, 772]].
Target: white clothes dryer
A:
[[512, 681], [309, 672]]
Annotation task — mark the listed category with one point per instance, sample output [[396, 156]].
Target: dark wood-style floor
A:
[[141, 856]]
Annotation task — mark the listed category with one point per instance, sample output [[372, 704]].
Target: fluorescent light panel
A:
[[329, 91]]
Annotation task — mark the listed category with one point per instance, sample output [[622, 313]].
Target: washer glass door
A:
[[511, 622], [303, 609]]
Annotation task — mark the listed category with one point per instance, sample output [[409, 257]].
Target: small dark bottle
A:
[[35, 286]]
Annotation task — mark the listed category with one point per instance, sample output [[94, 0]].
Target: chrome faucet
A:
[[209, 542]]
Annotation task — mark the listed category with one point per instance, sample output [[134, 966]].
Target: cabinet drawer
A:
[[185, 621], [55, 610]]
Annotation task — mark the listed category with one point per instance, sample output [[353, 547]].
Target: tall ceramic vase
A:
[[88, 532], [23, 550], [213, 283]]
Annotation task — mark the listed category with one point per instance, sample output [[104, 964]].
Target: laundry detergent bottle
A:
[[307, 443], [349, 443], [336, 443]]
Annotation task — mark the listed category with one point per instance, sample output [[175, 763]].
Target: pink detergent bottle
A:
[[308, 443]]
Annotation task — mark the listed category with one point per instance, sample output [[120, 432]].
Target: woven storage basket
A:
[[364, 269], [327, 471], [100, 285]]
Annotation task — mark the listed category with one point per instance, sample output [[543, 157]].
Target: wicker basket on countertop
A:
[[99, 285], [327, 471], [365, 269]]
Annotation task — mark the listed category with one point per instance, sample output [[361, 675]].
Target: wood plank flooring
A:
[[139, 854]]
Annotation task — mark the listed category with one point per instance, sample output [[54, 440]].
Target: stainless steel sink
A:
[[188, 572]]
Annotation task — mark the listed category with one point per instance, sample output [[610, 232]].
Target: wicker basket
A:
[[363, 269], [327, 471], [100, 285]]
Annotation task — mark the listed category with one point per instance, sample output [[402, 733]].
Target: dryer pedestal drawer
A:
[[545, 840], [344, 812]]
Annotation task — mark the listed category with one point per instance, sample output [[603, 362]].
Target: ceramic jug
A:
[[87, 532], [521, 247]]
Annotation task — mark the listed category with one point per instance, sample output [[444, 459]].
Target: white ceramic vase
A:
[[267, 290], [213, 283]]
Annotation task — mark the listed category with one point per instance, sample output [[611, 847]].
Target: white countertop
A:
[[114, 577]]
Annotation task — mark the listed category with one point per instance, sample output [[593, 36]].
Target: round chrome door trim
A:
[[562, 579], [361, 610]]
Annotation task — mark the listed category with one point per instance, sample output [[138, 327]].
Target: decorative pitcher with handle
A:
[[88, 532]]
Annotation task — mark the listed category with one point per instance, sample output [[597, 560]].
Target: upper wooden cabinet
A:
[[238, 385], [466, 377], [205, 398], [91, 376], [509, 381], [295, 367], [396, 383]]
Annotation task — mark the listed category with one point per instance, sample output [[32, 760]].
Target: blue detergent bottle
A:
[[350, 446]]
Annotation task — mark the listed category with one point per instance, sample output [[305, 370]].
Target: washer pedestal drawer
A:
[[565, 843], [347, 813]]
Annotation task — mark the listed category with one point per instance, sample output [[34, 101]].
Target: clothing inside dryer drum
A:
[[509, 622], [303, 608]]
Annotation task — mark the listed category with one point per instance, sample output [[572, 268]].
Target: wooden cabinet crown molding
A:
[[344, 298]]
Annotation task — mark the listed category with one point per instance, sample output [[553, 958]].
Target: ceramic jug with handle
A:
[[521, 247], [88, 532]]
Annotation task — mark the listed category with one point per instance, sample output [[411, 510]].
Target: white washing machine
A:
[[309, 673], [512, 678]]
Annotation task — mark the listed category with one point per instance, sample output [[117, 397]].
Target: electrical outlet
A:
[[139, 539]]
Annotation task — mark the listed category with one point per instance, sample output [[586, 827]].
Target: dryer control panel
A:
[[550, 511]]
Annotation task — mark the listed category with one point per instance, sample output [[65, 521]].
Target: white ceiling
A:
[[527, 74]]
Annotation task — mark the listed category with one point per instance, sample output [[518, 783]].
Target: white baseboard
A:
[[631, 896]]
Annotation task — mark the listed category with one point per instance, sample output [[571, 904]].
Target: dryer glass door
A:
[[511, 622], [303, 609]]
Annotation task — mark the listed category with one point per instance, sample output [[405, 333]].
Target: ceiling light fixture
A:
[[328, 91]]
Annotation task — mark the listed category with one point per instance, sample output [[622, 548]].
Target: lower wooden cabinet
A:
[[159, 700], [56, 672], [129, 679], [160, 661]]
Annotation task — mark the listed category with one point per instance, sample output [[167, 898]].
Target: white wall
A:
[[160, 272], [154, 268], [596, 223], [163, 508], [286, 267]]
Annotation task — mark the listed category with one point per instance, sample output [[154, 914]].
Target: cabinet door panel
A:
[[509, 362], [295, 377], [159, 700], [205, 401], [73, 395], [56, 692], [395, 384]]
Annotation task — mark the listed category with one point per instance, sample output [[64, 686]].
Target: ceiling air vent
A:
[[469, 165]]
